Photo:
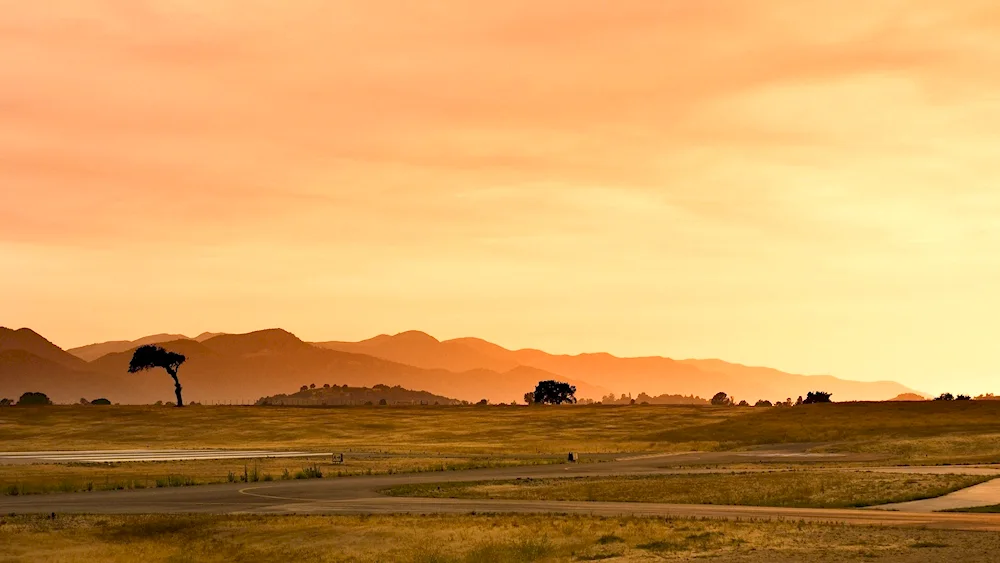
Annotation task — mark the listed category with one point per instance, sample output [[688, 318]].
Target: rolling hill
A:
[[92, 352], [245, 367], [651, 375]]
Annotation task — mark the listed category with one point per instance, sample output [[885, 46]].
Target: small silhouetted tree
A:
[[799, 401], [945, 397], [84, 401], [382, 402], [763, 403], [303, 388], [743, 404], [34, 399], [326, 386], [721, 400], [5, 402], [312, 385], [963, 398], [483, 403], [553, 392], [529, 398], [814, 397], [152, 356], [102, 401]]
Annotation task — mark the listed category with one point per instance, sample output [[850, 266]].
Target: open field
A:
[[803, 489], [918, 433], [432, 430], [51, 478], [432, 438], [932, 432], [465, 538]]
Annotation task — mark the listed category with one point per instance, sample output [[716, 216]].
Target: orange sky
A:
[[811, 186]]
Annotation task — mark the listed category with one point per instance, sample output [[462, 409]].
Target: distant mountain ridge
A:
[[245, 367], [651, 375], [92, 352]]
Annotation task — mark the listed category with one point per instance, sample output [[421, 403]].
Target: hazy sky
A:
[[809, 185]]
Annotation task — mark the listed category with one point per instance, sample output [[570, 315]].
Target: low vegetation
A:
[[85, 477], [470, 539], [860, 427], [406, 430], [798, 489], [343, 395]]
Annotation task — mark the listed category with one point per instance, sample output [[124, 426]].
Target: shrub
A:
[[722, 400], [814, 397], [34, 399]]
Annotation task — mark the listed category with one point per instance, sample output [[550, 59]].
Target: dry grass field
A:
[[936, 432], [78, 477], [431, 430], [470, 539], [954, 431], [435, 438], [800, 489]]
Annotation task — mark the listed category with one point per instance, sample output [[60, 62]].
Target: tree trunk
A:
[[177, 387]]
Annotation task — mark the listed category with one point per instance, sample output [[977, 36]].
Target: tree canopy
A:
[[30, 399], [814, 397], [152, 356], [553, 392], [722, 400]]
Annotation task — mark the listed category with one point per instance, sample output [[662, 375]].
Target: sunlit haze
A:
[[811, 187]]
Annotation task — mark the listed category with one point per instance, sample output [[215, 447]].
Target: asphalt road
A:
[[358, 495]]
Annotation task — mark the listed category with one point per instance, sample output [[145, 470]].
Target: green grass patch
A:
[[799, 489]]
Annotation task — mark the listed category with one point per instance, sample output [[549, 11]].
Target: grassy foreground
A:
[[79, 477], [409, 430], [472, 539], [923, 432], [799, 489], [926, 433]]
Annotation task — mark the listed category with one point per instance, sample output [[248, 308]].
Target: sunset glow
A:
[[813, 187]]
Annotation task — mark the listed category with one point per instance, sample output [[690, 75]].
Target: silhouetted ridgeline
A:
[[335, 395], [238, 367]]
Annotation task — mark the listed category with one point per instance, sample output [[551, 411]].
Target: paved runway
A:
[[358, 495], [116, 456]]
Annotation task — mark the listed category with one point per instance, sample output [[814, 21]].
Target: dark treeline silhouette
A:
[[33, 399], [151, 356], [336, 395], [644, 399], [551, 392]]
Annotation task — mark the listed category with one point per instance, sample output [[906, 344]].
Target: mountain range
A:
[[245, 367]]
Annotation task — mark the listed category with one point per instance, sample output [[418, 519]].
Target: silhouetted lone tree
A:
[[554, 393], [945, 397], [529, 398], [151, 356], [814, 397]]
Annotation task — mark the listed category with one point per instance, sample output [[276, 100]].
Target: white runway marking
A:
[[117, 456]]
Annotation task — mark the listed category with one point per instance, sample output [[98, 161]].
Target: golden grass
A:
[[77, 477], [459, 539], [799, 489], [845, 422], [429, 430]]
